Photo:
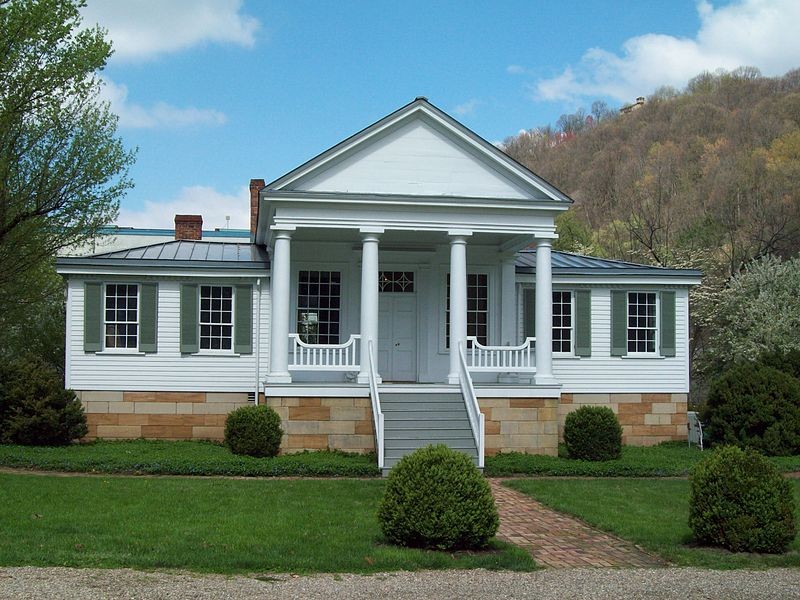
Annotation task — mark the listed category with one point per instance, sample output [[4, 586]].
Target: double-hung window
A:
[[216, 317], [562, 322], [477, 308], [642, 322], [122, 316], [319, 306]]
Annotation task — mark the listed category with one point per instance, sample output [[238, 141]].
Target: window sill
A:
[[557, 356], [643, 355], [127, 352], [215, 353]]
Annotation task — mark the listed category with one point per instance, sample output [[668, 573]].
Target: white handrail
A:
[[502, 359], [377, 414], [476, 417], [324, 357]]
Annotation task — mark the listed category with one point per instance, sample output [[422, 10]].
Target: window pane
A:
[[477, 308], [642, 322], [216, 308], [318, 304], [121, 315]]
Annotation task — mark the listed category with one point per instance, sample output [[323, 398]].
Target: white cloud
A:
[[143, 29], [213, 205], [760, 33], [159, 115], [468, 107]]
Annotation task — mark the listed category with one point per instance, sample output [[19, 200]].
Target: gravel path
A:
[[577, 584]]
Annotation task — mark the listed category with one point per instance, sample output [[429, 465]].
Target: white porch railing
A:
[[476, 418], [501, 359], [377, 414], [324, 357]]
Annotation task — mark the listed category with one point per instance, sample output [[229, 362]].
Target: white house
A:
[[398, 289]]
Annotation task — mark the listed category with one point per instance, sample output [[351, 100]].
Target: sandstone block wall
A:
[[646, 419], [320, 423], [520, 425], [159, 415]]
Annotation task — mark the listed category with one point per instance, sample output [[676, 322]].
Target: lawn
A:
[[671, 459], [182, 458], [212, 525], [652, 513]]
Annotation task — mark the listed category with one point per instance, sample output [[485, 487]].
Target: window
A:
[[318, 304], [642, 322], [477, 308], [216, 317], [562, 322], [396, 281], [122, 316]]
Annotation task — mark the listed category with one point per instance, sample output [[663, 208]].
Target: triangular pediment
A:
[[418, 151]]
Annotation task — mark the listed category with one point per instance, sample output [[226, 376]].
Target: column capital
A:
[[283, 232], [371, 230], [370, 237], [459, 233], [546, 242]]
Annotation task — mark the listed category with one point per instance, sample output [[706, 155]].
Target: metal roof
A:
[[568, 263], [188, 253]]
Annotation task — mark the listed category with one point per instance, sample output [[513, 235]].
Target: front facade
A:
[[399, 289]]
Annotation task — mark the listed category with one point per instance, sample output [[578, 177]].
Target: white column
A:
[[458, 301], [508, 311], [279, 315], [369, 302], [544, 314]]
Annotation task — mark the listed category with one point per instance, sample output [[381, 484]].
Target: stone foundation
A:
[[646, 419], [311, 423], [527, 425], [159, 415]]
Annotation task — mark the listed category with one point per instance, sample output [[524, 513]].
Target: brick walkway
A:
[[558, 541]]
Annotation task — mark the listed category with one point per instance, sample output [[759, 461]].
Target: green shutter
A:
[[583, 323], [148, 317], [243, 326], [667, 324], [92, 316], [528, 312], [619, 323], [189, 318]]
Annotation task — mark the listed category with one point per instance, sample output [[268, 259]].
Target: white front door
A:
[[397, 337]]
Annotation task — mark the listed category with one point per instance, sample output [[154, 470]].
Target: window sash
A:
[[216, 317], [477, 308], [563, 322], [642, 323], [319, 299], [121, 316]]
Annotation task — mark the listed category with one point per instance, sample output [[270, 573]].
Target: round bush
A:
[[436, 498], [253, 431], [754, 406], [35, 409], [593, 433], [741, 502]]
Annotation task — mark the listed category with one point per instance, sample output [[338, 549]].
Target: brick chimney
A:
[[256, 185], [188, 227]]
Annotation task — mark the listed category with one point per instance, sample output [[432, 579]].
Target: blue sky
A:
[[215, 92]]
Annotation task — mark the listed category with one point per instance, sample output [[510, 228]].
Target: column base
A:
[[279, 378], [544, 380], [364, 378], [453, 379]]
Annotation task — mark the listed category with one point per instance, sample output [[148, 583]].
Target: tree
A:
[[62, 170]]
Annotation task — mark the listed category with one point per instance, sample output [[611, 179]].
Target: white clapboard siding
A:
[[415, 160], [603, 373], [168, 369]]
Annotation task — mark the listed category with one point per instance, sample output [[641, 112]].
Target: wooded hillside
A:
[[714, 168]]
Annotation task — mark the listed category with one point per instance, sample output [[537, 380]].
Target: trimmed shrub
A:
[[788, 362], [754, 406], [253, 431], [436, 498], [35, 409], [593, 433], [739, 501]]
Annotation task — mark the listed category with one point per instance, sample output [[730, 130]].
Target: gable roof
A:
[[421, 109], [179, 253], [567, 263]]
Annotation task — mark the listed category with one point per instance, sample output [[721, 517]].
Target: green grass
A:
[[671, 459], [652, 513], [212, 525], [182, 458]]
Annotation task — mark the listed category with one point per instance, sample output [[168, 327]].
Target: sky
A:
[[213, 93]]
